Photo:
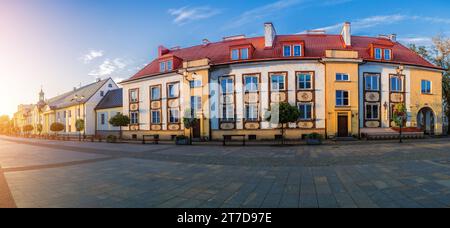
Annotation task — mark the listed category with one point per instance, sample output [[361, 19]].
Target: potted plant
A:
[[182, 140], [56, 127], [189, 121], [314, 139]]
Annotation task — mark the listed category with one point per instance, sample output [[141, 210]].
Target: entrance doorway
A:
[[196, 130], [343, 126], [425, 120]]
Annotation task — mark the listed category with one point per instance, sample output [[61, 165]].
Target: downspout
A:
[[325, 91], [359, 100]]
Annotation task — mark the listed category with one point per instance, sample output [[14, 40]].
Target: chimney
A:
[[205, 42], [347, 34], [393, 37], [162, 51], [74, 89], [269, 34]]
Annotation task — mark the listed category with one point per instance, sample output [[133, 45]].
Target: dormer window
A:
[[240, 53], [292, 50], [377, 53], [387, 54], [166, 66]]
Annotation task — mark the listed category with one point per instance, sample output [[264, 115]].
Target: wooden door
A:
[[342, 126], [196, 130]]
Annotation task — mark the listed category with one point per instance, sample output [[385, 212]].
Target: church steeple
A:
[[41, 95]]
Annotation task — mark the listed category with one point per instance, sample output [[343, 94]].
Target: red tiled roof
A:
[[315, 46]]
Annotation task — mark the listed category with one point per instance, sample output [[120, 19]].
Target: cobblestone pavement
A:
[[39, 173]]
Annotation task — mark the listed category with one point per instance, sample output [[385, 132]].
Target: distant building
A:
[[108, 107], [66, 108]]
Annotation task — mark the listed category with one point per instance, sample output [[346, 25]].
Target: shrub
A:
[[111, 139], [28, 128], [57, 127], [181, 137], [314, 136]]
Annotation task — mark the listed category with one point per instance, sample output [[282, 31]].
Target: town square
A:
[[209, 105]]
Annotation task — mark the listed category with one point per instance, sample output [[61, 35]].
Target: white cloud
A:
[[426, 41], [91, 55], [108, 67], [185, 14], [377, 20]]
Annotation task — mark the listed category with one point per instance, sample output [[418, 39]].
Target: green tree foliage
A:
[[189, 121], [120, 120], [5, 124], [282, 113], [79, 125], [39, 128], [439, 54], [399, 114]]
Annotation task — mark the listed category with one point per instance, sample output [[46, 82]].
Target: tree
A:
[[439, 54], [28, 128], [282, 113], [79, 125], [399, 116], [5, 124], [189, 121], [57, 127], [120, 120], [39, 128]]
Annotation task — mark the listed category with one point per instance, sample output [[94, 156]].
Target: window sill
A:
[[428, 94]]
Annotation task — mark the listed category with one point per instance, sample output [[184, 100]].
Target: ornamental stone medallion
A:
[[156, 105], [252, 126], [304, 96], [134, 127], [306, 125], [174, 127], [227, 126], [372, 124], [372, 97], [134, 107], [397, 97], [278, 97], [173, 103], [156, 127]]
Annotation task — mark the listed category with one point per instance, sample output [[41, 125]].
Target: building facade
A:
[[108, 107], [66, 109], [341, 84]]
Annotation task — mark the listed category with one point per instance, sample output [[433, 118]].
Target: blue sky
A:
[[61, 43]]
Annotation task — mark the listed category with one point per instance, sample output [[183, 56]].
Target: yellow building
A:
[[343, 85]]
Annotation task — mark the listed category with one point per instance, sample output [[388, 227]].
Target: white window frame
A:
[[173, 90], [251, 114], [390, 54], [299, 82], [195, 84], [229, 85], [134, 117], [343, 98], [342, 77], [241, 53], [134, 96], [422, 89], [300, 48], [235, 54], [253, 85], [196, 103], [159, 93], [102, 119], [272, 87], [158, 117], [229, 111], [169, 65], [372, 117], [284, 50], [400, 85], [380, 54], [162, 67], [372, 76], [305, 110], [174, 118]]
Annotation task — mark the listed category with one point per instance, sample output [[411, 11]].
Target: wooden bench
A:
[[229, 138], [153, 138]]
